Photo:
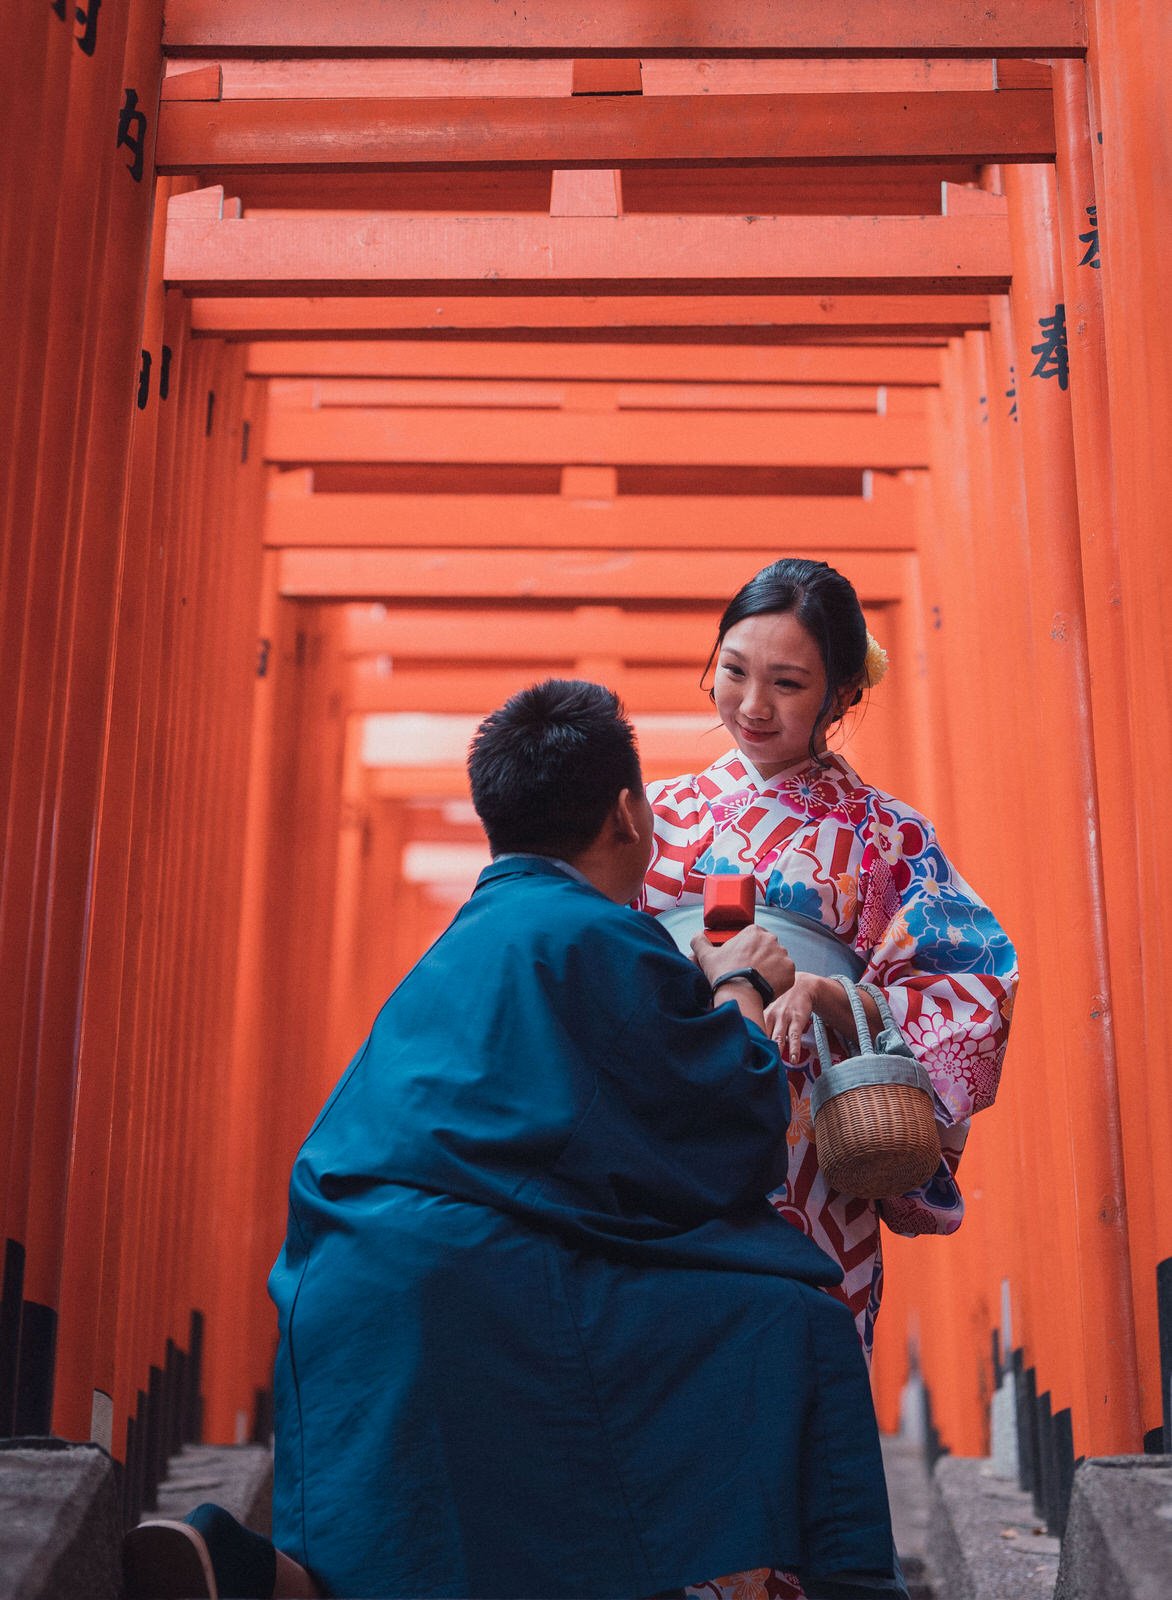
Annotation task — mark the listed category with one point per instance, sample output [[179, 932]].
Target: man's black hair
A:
[[547, 767]]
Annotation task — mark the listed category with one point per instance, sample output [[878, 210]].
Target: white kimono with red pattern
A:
[[828, 846]]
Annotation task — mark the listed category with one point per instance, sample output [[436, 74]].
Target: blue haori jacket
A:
[[541, 1333]]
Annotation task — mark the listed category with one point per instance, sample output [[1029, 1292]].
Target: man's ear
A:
[[626, 825]]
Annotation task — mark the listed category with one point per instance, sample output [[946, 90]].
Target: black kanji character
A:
[[1052, 353], [87, 21], [132, 127], [1091, 239]]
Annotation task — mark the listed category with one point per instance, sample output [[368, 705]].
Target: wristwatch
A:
[[750, 975]]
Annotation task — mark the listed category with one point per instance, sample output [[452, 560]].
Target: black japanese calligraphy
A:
[[1052, 351], [87, 20], [1091, 239], [132, 127]]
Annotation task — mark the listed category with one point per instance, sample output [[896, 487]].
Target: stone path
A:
[[909, 1490]]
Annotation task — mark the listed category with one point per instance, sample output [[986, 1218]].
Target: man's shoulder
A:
[[557, 909]]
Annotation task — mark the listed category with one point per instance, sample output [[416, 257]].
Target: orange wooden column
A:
[[283, 1063], [1115, 752], [43, 53], [1135, 120], [935, 1289], [382, 902], [90, 362], [238, 1334], [354, 840], [84, 1378], [1077, 984]]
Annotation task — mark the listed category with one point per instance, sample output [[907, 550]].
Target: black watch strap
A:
[[750, 975]]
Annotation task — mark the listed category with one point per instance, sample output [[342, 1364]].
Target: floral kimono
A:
[[826, 845]]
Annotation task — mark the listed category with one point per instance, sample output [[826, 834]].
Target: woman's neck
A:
[[771, 774]]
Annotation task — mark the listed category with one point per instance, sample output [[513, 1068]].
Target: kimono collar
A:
[[735, 770], [514, 862]]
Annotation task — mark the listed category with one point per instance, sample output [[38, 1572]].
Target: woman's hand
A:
[[787, 1019]]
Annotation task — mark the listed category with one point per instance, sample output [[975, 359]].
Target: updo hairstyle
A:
[[826, 605]]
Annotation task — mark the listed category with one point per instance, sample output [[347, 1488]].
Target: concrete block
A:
[[238, 1477], [1119, 1533], [1003, 1453], [60, 1522], [909, 1489], [984, 1541]]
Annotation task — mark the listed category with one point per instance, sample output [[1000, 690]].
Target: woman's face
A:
[[769, 688]]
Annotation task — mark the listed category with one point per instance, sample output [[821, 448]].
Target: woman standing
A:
[[792, 656]]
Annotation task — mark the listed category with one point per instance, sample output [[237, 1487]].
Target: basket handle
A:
[[881, 1005], [864, 1032]]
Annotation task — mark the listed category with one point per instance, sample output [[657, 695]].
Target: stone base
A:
[[238, 1477], [1119, 1533], [984, 1541], [60, 1521]]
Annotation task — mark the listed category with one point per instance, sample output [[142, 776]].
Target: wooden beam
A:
[[802, 524], [625, 28], [483, 633], [615, 363], [668, 744], [428, 823], [766, 318], [301, 438], [439, 688], [489, 635], [238, 136], [582, 255], [443, 781], [588, 481], [392, 77], [905, 189], [663, 755], [513, 394], [580, 575], [194, 83]]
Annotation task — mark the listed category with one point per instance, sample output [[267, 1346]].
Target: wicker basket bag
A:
[[874, 1128]]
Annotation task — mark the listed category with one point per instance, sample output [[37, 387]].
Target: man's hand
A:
[[751, 947]]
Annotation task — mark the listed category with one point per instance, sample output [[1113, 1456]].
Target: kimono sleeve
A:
[[949, 973], [681, 825], [692, 1108], [947, 968]]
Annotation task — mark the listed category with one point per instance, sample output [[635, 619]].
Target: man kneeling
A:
[[541, 1332]]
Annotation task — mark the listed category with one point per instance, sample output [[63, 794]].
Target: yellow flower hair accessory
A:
[[875, 663]]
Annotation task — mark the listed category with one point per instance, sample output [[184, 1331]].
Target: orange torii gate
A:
[[586, 316]]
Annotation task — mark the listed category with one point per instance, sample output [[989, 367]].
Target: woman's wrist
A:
[[830, 1001]]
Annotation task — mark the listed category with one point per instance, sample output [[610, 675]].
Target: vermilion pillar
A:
[[1111, 691], [1077, 983], [1129, 80]]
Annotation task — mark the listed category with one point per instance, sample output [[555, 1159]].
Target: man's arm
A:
[[752, 948]]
